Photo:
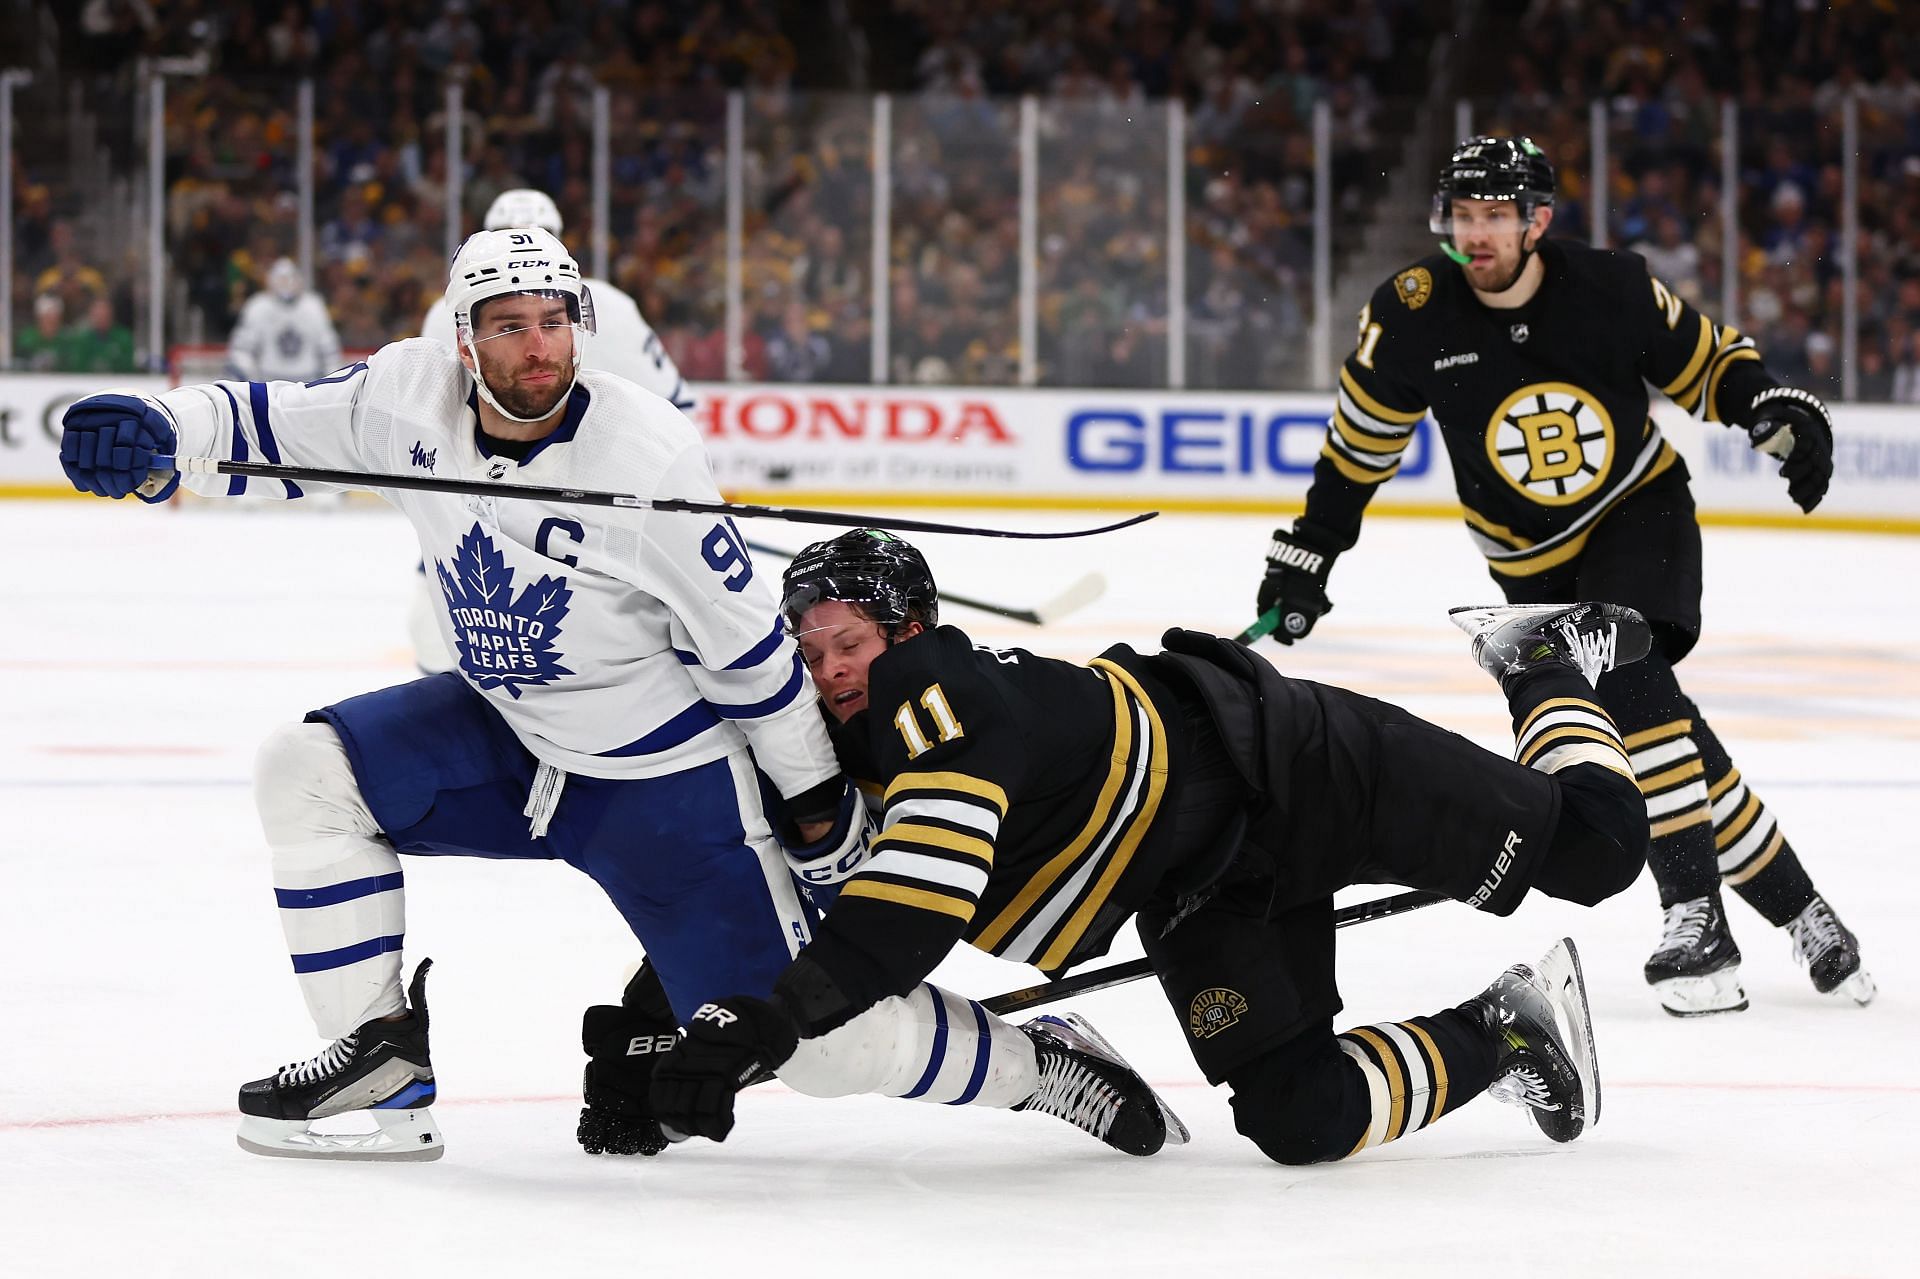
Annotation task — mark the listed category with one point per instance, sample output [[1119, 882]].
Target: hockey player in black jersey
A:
[[1534, 357], [1030, 806]]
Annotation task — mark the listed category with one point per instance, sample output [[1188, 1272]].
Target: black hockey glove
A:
[[725, 1047], [1795, 427], [623, 1045], [1296, 583]]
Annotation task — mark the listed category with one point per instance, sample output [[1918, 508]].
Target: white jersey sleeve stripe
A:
[[769, 705]]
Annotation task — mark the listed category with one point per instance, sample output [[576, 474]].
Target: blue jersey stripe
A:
[[320, 961], [938, 1056], [269, 447], [334, 894], [237, 484], [760, 652], [779, 701], [979, 1077], [684, 727]]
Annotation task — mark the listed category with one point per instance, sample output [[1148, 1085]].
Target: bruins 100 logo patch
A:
[[1552, 441], [1414, 286], [1212, 1011]]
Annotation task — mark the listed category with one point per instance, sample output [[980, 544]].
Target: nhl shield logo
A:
[[1414, 286], [1213, 1011], [1519, 332]]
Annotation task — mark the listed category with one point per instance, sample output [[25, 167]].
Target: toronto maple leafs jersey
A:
[[277, 340], [1543, 407], [615, 642], [622, 342]]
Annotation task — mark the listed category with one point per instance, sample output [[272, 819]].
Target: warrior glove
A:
[[1296, 582], [1794, 426]]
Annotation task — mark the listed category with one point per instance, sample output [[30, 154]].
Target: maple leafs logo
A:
[[503, 641]]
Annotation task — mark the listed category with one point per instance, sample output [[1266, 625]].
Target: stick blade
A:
[[1072, 600]]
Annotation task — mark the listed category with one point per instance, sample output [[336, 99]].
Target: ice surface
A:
[[147, 651]]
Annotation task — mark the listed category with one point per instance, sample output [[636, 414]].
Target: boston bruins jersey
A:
[[1543, 408], [1020, 803]]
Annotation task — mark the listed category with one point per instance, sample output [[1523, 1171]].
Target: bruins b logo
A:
[[1552, 441]]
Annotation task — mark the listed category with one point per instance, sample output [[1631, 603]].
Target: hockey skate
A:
[[1830, 953], [1084, 1081], [382, 1067], [1696, 968], [1538, 1015], [1509, 640]]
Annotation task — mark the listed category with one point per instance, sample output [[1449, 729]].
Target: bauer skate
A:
[[1830, 953], [382, 1068], [1509, 640], [1537, 1014], [1086, 1082], [1696, 968]]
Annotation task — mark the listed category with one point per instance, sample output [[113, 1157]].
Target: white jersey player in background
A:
[[284, 333], [627, 701], [622, 342]]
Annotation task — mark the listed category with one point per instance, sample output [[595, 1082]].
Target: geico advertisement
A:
[[1069, 444]]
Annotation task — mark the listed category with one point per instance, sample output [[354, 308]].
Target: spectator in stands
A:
[[101, 344], [796, 352], [1906, 375], [41, 348]]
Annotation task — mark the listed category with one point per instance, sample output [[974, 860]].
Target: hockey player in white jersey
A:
[[284, 332], [622, 342], [627, 701]]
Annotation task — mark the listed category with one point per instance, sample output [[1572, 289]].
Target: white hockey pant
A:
[[927, 1045], [338, 883]]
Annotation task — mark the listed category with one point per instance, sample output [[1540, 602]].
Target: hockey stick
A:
[[1072, 600], [588, 497], [1134, 969]]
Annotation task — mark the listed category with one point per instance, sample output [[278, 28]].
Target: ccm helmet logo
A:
[[527, 264]]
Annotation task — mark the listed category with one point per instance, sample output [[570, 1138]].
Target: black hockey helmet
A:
[[886, 577], [1490, 168]]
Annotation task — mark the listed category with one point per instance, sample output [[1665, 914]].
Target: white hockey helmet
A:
[[523, 207], [493, 264], [283, 277]]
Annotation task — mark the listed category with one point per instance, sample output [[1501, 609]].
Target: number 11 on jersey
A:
[[945, 723]]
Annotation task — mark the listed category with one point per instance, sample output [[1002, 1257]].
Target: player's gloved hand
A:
[[1296, 582], [725, 1046], [623, 1044], [1794, 426], [107, 446], [821, 866]]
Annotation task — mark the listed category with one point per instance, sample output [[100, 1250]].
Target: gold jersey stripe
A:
[[901, 895], [1569, 733], [1725, 784], [1373, 407], [1137, 827], [1672, 777], [1366, 443], [1658, 734], [909, 834], [1396, 1078], [1759, 863], [1714, 378], [1527, 566], [1692, 371], [965, 783], [1044, 879], [1687, 820], [1561, 703], [1438, 1072], [1725, 837], [1358, 474]]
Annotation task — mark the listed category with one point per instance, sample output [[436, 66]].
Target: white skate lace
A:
[[319, 1067], [1685, 924], [1075, 1093], [1815, 931], [1523, 1086], [1593, 652]]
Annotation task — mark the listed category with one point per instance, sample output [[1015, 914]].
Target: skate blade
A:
[[1703, 996], [403, 1136], [1560, 969], [1857, 989], [1177, 1134]]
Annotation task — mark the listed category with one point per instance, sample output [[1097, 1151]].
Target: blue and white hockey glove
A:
[[824, 864], [107, 446], [725, 1047], [1794, 426]]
